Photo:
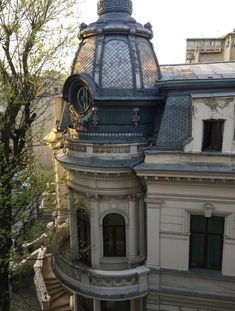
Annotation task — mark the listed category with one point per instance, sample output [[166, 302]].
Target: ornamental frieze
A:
[[113, 281], [103, 175], [189, 180]]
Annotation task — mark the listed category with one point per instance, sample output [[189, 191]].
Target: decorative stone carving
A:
[[79, 120], [104, 175], [189, 180], [136, 116], [77, 147], [95, 117], [111, 149], [113, 281], [109, 6], [208, 209], [114, 135]]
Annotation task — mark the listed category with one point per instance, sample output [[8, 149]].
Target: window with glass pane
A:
[[213, 135], [114, 235], [84, 304], [115, 305], [206, 242]]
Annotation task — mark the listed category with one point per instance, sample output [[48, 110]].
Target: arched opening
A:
[[114, 235]]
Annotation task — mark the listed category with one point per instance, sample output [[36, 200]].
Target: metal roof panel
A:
[[198, 71]]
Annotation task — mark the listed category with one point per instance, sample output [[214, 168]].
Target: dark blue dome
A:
[[115, 70]]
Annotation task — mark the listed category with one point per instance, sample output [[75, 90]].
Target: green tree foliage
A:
[[35, 35]]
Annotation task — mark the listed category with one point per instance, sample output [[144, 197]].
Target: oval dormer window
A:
[[83, 100]]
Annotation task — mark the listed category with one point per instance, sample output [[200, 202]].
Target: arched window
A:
[[84, 237], [114, 235]]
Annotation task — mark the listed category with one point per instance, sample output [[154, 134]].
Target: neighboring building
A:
[[43, 124], [201, 50], [151, 159]]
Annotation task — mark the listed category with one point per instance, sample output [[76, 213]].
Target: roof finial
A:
[[114, 6]]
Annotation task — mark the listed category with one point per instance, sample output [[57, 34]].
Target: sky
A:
[[175, 20]]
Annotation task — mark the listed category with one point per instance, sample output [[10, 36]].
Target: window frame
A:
[[114, 233], [206, 242], [207, 145]]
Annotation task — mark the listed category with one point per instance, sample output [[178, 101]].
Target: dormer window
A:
[[212, 135]]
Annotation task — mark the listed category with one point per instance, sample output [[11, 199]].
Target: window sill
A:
[[203, 272], [114, 260]]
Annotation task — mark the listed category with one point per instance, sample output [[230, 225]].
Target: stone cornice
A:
[[102, 192], [190, 180], [103, 176]]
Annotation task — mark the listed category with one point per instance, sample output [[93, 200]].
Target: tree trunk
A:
[[4, 287], [5, 245]]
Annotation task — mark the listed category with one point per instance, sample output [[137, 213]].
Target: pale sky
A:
[[175, 20]]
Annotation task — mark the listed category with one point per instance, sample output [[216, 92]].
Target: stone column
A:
[[62, 193], [142, 231], [96, 305], [133, 235], [135, 305], [73, 228], [153, 232], [95, 233], [75, 301]]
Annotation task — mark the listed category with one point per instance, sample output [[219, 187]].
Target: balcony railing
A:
[[101, 284]]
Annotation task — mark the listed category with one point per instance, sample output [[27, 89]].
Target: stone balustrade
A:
[[43, 297], [101, 284], [77, 148]]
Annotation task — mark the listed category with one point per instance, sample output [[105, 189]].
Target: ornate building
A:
[[150, 155]]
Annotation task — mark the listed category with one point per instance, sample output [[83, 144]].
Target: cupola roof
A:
[[116, 53], [113, 87], [114, 6]]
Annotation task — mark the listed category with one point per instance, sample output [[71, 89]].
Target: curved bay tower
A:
[[150, 156]]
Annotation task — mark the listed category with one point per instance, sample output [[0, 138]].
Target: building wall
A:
[[42, 126], [199, 50], [178, 202], [169, 206], [181, 184], [217, 108]]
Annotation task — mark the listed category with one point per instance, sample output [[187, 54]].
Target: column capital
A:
[[153, 202]]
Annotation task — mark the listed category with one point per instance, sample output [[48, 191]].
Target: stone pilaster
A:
[[73, 229], [133, 230], [95, 233], [153, 233], [96, 305], [142, 231]]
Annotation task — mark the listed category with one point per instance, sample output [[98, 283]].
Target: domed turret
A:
[[115, 67]]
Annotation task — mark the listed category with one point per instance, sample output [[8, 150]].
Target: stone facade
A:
[[151, 162]]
